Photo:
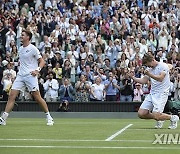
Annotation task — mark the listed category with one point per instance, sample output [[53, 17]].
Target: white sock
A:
[[172, 117], [5, 115], [48, 115]]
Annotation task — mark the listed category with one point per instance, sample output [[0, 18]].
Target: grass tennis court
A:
[[83, 136]]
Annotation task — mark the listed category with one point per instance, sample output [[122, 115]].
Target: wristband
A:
[[38, 69]]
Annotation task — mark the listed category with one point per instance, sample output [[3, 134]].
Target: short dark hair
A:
[[148, 57], [28, 33]]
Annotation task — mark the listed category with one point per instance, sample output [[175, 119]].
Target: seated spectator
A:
[[51, 87], [82, 89], [66, 91]]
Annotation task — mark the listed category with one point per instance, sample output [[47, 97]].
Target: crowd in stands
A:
[[89, 46]]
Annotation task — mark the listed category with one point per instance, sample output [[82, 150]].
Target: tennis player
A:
[[154, 103], [31, 63]]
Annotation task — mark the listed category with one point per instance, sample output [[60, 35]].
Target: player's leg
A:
[[32, 84], [11, 100], [40, 100], [145, 108], [42, 103], [159, 102], [16, 87], [9, 106], [144, 114], [161, 116]]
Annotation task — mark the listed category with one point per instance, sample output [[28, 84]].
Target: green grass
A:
[[82, 136]]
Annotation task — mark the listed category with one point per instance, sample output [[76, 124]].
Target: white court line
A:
[[119, 132], [69, 140], [66, 123], [90, 147]]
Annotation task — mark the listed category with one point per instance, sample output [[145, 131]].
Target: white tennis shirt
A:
[[28, 57], [160, 87]]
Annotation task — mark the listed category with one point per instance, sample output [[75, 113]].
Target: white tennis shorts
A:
[[29, 81], [155, 102]]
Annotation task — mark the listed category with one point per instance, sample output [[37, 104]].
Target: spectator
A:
[[143, 47], [177, 86], [34, 30], [7, 81], [124, 61], [10, 36], [98, 92], [45, 43], [25, 10], [126, 89], [111, 87], [66, 69], [58, 72], [163, 38], [41, 88], [82, 89], [57, 58], [1, 68], [14, 54], [99, 72], [89, 74], [19, 28], [146, 89], [9, 70], [152, 42], [138, 93]]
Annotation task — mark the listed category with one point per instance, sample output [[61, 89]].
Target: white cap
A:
[[58, 52]]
